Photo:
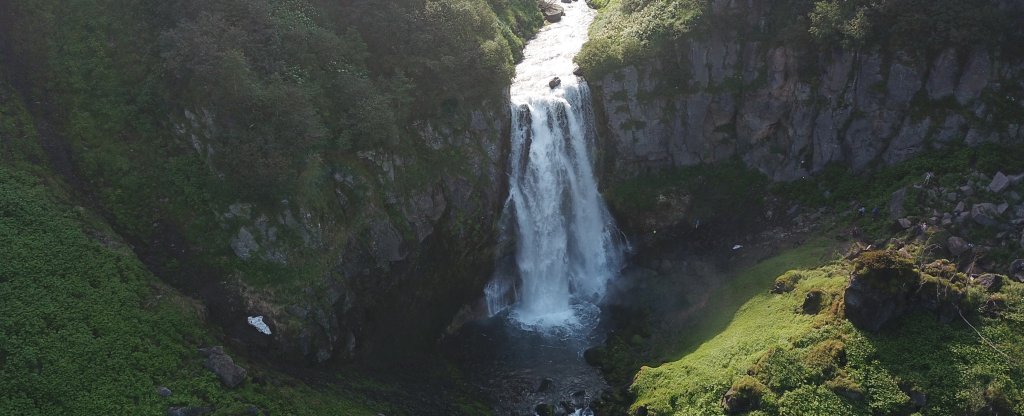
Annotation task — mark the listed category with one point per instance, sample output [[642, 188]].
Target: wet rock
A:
[[594, 356], [552, 12], [164, 391], [555, 82], [957, 246], [990, 282], [577, 71], [999, 183], [223, 366], [566, 407], [545, 385], [812, 302], [579, 399], [188, 411]]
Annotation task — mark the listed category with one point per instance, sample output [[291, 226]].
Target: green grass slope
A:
[[86, 330], [820, 364]]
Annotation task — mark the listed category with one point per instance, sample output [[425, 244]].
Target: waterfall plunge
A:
[[566, 245]]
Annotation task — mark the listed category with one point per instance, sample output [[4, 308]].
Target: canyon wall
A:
[[790, 108]]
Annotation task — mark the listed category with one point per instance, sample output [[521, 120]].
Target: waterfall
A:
[[566, 244]]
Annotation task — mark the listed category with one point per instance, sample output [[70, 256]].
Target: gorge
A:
[[455, 207]]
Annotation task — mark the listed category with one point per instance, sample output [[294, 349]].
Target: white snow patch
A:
[[257, 322]]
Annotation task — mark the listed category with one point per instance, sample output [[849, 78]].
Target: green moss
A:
[[787, 281], [886, 270], [814, 401], [85, 329], [823, 365]]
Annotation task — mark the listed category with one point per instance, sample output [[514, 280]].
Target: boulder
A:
[[594, 356], [223, 366], [545, 385], [990, 282], [164, 391], [1017, 270], [957, 246], [904, 223], [577, 71], [896, 202], [744, 396], [812, 302], [579, 399], [999, 183], [879, 289], [552, 12], [555, 82], [984, 214], [641, 411]]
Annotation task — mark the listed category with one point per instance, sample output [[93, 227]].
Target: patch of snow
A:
[[737, 247], [257, 322]]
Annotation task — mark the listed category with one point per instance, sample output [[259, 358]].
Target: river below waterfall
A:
[[544, 296], [514, 369]]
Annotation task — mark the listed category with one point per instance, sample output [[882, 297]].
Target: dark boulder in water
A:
[[555, 82], [552, 12]]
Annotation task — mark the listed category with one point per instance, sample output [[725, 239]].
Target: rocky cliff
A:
[[738, 88], [295, 160]]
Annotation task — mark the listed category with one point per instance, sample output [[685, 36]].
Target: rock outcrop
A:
[[221, 364], [789, 111]]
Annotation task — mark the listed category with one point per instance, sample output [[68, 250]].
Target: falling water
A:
[[566, 245]]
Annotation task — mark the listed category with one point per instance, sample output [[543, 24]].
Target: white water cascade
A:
[[566, 243]]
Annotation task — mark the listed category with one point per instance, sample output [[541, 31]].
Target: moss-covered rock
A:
[[879, 289]]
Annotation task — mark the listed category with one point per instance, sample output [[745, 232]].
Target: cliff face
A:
[[316, 163], [789, 109], [408, 243]]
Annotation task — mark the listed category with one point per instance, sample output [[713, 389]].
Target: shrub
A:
[[810, 400]]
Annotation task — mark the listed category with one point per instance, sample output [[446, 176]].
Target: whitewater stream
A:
[[543, 299]]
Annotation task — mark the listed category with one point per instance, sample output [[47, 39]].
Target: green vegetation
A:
[[162, 114], [174, 110], [628, 31], [822, 365], [85, 329], [726, 192], [835, 186], [925, 25], [628, 351]]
